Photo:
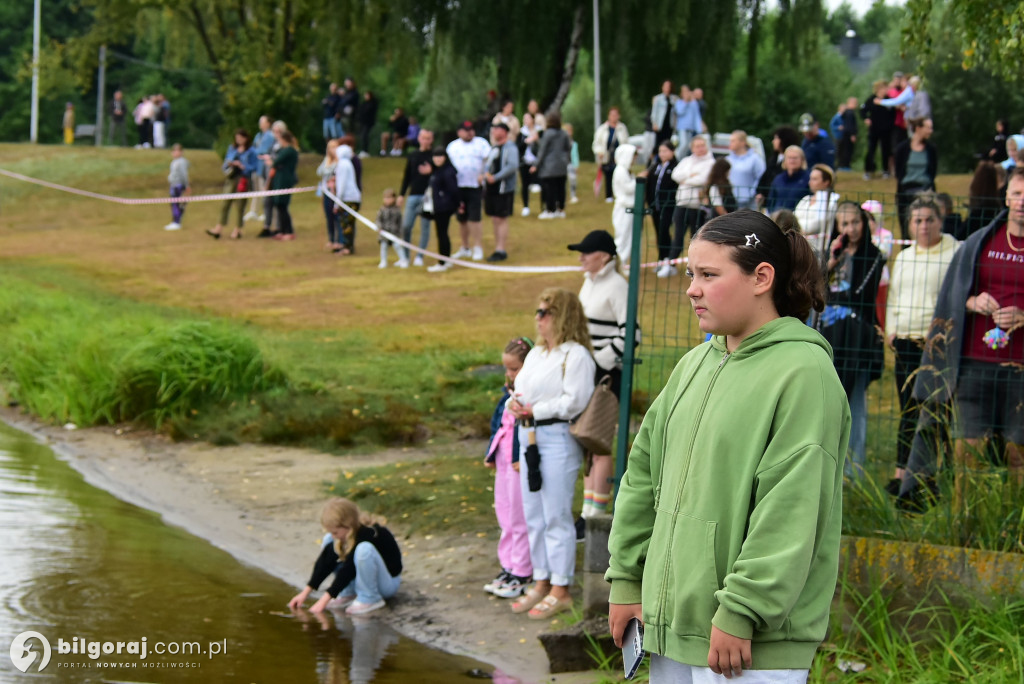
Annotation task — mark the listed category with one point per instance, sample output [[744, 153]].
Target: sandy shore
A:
[[260, 504]]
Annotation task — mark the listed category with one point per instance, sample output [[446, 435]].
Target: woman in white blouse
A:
[[554, 386], [817, 212]]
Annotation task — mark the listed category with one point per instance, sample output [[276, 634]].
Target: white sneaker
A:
[[478, 254], [250, 216], [261, 218], [363, 155], [383, 263], [396, 153], [667, 270], [402, 263], [559, 214], [525, 211], [574, 200], [544, 215], [609, 200], [357, 608], [173, 226], [439, 267], [418, 261], [535, 188], [463, 253]]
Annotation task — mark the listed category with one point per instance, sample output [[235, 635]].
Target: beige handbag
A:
[[595, 428]]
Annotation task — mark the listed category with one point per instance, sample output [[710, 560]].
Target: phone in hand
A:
[[632, 647]]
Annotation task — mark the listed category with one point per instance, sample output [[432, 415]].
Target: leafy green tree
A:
[[983, 33]]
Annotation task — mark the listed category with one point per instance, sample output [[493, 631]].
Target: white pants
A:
[[549, 521], [667, 671], [159, 134]]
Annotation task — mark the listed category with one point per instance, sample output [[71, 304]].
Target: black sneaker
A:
[[266, 233], [498, 582], [581, 529], [497, 256], [514, 587], [893, 486]]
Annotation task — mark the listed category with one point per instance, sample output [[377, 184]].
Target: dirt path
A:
[[260, 503]]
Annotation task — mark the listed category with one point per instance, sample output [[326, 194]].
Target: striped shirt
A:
[[605, 299]]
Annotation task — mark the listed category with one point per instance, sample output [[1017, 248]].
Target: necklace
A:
[[1009, 240]]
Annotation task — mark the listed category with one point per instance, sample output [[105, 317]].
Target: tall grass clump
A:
[[98, 361], [938, 639]]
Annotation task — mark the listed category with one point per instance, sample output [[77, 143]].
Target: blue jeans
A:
[[332, 129], [373, 582], [858, 398], [412, 209]]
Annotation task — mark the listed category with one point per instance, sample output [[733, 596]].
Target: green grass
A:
[[71, 353]]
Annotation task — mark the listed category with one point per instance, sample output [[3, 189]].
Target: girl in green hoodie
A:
[[725, 540]]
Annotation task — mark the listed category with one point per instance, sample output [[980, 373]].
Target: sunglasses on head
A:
[[541, 313]]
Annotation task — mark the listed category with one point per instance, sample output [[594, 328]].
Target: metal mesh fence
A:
[[893, 308]]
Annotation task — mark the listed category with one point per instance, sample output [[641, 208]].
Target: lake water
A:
[[85, 571]]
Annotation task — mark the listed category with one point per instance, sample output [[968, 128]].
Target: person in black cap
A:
[[604, 296]]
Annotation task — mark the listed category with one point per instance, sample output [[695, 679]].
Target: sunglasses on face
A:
[[541, 313]]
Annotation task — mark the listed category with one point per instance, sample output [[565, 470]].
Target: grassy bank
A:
[[71, 353]]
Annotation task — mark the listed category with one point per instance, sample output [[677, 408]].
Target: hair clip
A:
[[752, 240], [527, 342]]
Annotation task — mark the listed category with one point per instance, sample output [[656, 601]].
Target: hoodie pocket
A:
[[679, 587]]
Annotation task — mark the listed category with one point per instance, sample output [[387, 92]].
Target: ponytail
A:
[[805, 288]]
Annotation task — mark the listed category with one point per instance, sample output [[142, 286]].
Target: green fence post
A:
[[629, 359]]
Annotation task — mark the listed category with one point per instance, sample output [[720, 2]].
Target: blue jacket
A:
[[820, 150], [496, 423], [248, 159], [786, 191], [263, 143]]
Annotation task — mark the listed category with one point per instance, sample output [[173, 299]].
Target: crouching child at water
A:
[[362, 554], [503, 456]]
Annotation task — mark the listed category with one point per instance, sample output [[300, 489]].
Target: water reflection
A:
[[82, 567]]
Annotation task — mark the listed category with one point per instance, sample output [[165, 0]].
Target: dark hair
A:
[[348, 139], [519, 347], [799, 285], [245, 134], [1018, 172], [787, 136], [719, 175], [553, 120], [786, 220], [1005, 123], [668, 145], [945, 202], [287, 137], [439, 152], [917, 122], [984, 188]]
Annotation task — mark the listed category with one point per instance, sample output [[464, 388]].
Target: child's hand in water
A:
[[299, 599], [321, 604]]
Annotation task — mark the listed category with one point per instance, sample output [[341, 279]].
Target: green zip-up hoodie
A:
[[730, 510]]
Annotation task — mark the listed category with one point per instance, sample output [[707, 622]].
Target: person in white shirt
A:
[[468, 154], [914, 283], [691, 173], [607, 138], [817, 212], [553, 387]]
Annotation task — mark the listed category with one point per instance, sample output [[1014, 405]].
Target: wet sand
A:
[[260, 504]]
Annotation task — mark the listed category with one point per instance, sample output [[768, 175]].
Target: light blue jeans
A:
[[413, 204], [858, 398], [373, 582], [549, 520]]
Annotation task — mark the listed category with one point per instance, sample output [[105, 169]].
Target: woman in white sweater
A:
[[817, 212], [691, 173], [914, 283], [552, 388], [605, 299]]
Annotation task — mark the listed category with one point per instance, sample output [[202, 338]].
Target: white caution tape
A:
[[154, 200]]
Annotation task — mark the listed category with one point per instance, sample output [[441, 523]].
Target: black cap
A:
[[596, 241], [466, 126]]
